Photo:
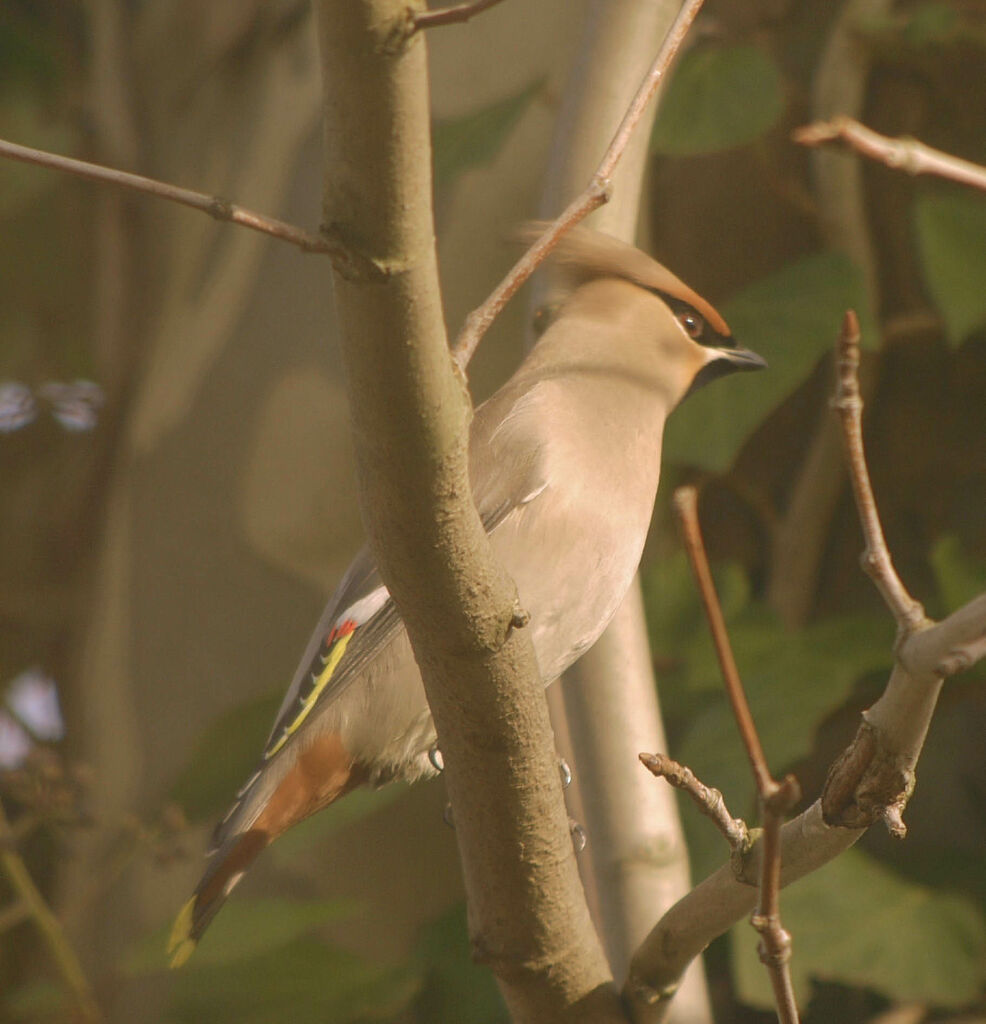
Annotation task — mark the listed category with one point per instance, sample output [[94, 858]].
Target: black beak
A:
[[742, 359], [727, 360]]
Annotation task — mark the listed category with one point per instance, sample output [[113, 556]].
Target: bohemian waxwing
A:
[[564, 462]]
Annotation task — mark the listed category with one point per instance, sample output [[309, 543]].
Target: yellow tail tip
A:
[[181, 945]]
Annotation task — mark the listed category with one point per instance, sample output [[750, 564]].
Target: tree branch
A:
[[776, 798], [706, 798], [35, 907], [450, 15], [876, 559], [595, 194], [902, 154], [870, 781], [410, 416], [220, 209]]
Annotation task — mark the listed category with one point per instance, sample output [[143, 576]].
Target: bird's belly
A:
[[572, 593]]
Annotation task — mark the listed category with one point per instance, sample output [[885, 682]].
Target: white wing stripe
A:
[[366, 607]]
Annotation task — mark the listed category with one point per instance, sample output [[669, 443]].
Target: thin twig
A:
[[221, 209], [708, 800], [30, 896], [776, 798], [875, 559], [450, 15], [775, 942], [686, 506], [595, 194], [904, 154]]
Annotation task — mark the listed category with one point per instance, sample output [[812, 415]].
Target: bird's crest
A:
[[583, 254]]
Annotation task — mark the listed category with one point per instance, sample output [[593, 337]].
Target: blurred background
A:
[[177, 498]]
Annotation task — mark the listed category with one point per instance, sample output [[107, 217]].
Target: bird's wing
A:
[[361, 617], [359, 620]]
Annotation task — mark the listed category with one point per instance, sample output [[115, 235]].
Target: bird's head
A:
[[667, 330]]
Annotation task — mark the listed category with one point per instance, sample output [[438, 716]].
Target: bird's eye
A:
[[694, 325]]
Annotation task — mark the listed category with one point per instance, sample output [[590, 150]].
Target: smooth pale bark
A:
[[638, 861], [527, 912]]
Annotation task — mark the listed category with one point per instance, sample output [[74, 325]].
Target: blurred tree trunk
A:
[[639, 863], [203, 273]]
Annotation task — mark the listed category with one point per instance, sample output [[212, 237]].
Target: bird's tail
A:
[[282, 792], [227, 866]]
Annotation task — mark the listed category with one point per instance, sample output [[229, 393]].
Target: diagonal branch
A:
[[220, 209], [903, 154], [595, 194], [457, 13], [32, 904], [871, 781], [776, 798], [706, 798]]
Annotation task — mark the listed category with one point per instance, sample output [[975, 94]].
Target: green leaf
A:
[[36, 1000], [244, 929], [792, 681], [226, 754], [791, 318], [455, 990], [950, 230], [931, 23], [960, 578], [304, 982], [463, 142], [720, 96], [856, 922], [674, 611]]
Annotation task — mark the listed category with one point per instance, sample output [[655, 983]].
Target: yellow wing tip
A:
[[181, 945]]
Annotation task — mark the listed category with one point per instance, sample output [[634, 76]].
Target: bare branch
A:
[[686, 506], [596, 193], [707, 799], [904, 154], [876, 559], [450, 15], [871, 781], [775, 943], [220, 209], [776, 799], [34, 903]]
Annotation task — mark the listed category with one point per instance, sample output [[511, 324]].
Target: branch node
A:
[[783, 795], [353, 265], [601, 190], [894, 820], [774, 948], [519, 618], [647, 995], [220, 208]]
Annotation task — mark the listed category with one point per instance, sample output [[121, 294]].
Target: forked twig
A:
[[450, 15], [33, 905], [902, 154], [776, 798], [875, 559], [706, 798], [221, 209], [595, 194]]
